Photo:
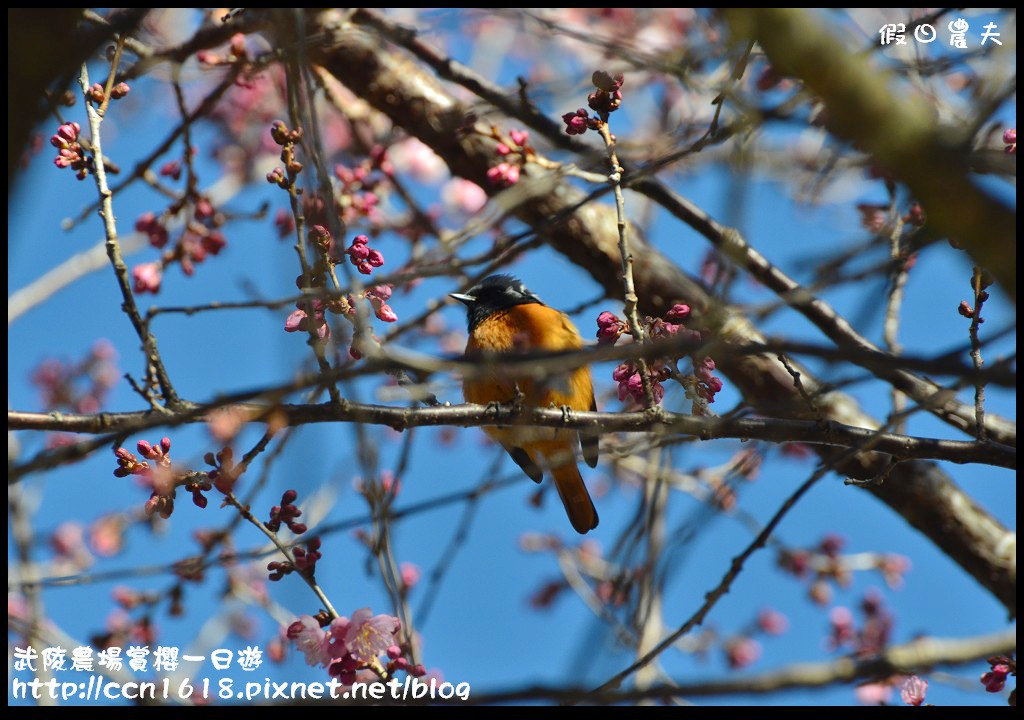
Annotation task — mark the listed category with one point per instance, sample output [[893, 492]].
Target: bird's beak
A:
[[467, 299]]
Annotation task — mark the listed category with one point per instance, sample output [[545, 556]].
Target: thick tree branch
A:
[[665, 425]]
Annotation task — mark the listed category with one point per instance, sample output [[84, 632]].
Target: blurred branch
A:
[[916, 657], [902, 136]]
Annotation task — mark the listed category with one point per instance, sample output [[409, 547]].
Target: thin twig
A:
[[979, 388], [629, 297], [114, 253]]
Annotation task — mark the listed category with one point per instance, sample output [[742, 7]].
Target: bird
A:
[[505, 317]]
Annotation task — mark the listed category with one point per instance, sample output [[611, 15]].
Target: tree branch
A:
[[664, 425]]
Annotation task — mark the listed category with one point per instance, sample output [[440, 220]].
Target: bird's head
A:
[[494, 293]]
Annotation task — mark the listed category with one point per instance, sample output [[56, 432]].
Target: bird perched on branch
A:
[[505, 317]]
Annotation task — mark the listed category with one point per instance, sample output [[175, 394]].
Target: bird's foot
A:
[[517, 401], [493, 408], [566, 413]]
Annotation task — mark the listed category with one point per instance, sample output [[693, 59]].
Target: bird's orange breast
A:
[[522, 328]]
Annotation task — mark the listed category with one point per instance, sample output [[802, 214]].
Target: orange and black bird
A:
[[505, 317]]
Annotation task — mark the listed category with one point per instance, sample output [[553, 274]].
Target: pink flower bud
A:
[[214, 242], [383, 292], [171, 169], [622, 372], [679, 311], [204, 209], [69, 131], [145, 222], [519, 137], [385, 313], [995, 679], [279, 132], [576, 123], [410, 574], [147, 278], [913, 690], [294, 321], [358, 253], [375, 258]]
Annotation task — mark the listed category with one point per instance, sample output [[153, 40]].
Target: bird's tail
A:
[[578, 505]]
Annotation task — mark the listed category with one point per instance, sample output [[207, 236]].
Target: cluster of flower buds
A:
[[299, 319], [287, 139], [701, 386], [1001, 666], [197, 484], [824, 564], [236, 52], [61, 382], [358, 196], [873, 635], [577, 123], [707, 385], [155, 472], [609, 328], [282, 135], [305, 561], [503, 175], [515, 151], [225, 472], [519, 143], [199, 239], [378, 296], [149, 224], [128, 464], [608, 96], [605, 100], [97, 95], [363, 256], [627, 375], [965, 308], [69, 151], [286, 513]]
